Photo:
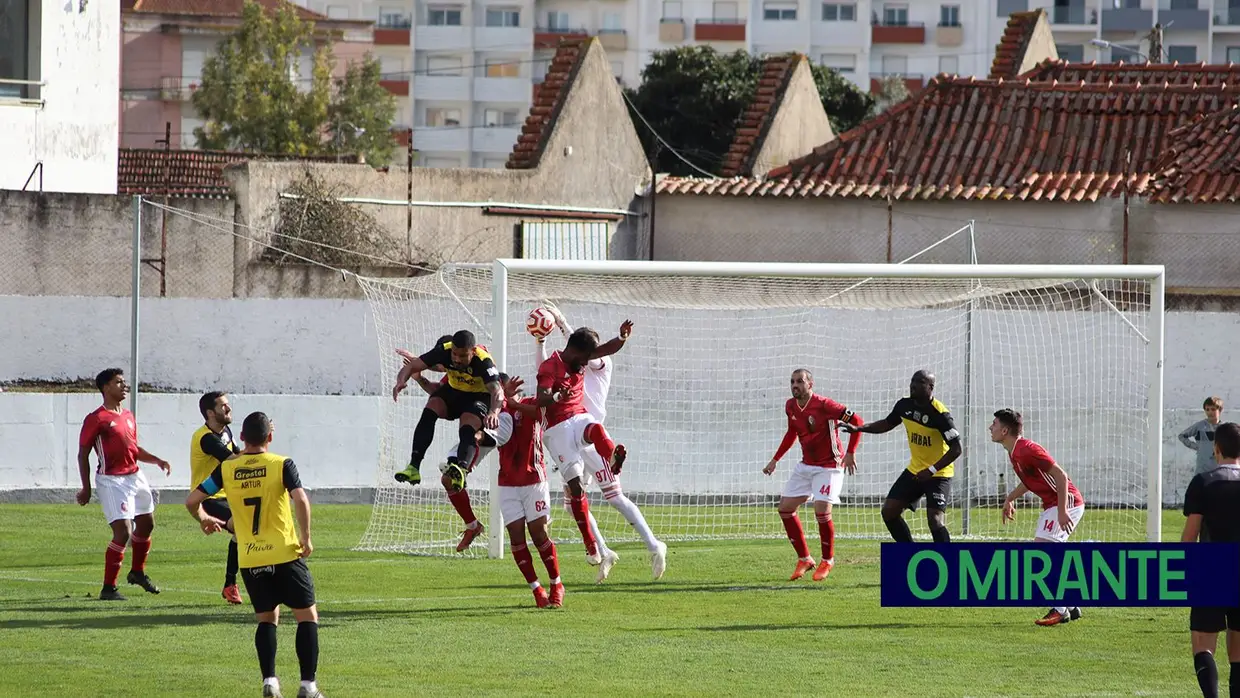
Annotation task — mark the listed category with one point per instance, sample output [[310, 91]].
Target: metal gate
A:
[[565, 240]]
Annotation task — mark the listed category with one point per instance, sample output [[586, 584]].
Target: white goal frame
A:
[[1155, 274]]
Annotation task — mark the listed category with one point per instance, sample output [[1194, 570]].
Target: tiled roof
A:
[[212, 8], [1201, 74], [963, 138], [756, 121], [548, 100], [1010, 52], [186, 173], [1203, 163]]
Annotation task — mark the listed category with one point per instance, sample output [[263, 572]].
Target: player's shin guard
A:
[[1207, 674], [525, 562], [796, 534], [632, 514], [423, 435], [141, 548], [230, 568], [597, 435], [900, 532], [460, 502], [265, 643], [938, 533], [112, 560], [308, 648], [547, 552], [826, 532], [468, 447], [581, 511]]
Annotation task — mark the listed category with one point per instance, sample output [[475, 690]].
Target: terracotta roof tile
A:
[[187, 173], [1121, 73], [1010, 51], [212, 8], [549, 97], [756, 121], [963, 138], [1203, 163]]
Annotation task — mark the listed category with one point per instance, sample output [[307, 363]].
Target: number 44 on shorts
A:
[[825, 490]]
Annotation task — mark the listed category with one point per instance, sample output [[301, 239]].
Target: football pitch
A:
[[723, 621]]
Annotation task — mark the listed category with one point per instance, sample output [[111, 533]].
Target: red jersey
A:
[[816, 427], [521, 457], [1033, 466], [114, 438], [555, 375]]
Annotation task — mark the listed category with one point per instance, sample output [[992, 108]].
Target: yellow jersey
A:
[[471, 378], [930, 430], [207, 450], [257, 487]]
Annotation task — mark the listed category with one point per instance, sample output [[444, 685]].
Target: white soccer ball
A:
[[540, 322]]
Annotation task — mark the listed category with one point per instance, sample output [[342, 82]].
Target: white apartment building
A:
[[467, 66]]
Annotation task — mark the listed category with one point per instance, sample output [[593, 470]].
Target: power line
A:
[[665, 144]]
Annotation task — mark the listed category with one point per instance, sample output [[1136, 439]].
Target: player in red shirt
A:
[[813, 420], [124, 493], [1062, 503], [569, 427]]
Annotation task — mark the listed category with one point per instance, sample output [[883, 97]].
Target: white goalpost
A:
[[698, 391]]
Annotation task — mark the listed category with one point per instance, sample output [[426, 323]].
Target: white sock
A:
[[598, 537], [273, 682], [534, 584], [1063, 610], [474, 524], [555, 581], [309, 686], [633, 515]]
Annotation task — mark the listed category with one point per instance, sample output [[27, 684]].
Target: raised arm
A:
[[881, 426], [1186, 436], [616, 343]]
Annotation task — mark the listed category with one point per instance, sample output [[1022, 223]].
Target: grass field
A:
[[723, 621]]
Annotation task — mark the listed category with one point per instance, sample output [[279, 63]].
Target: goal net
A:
[[698, 391]]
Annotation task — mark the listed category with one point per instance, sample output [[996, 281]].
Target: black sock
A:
[[468, 446], [308, 648], [230, 570], [940, 534], [1233, 681], [899, 529], [265, 643], [423, 435], [1207, 674]]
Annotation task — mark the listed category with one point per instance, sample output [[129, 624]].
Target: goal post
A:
[[699, 388]]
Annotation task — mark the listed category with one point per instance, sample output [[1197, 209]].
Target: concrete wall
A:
[[800, 123], [74, 132]]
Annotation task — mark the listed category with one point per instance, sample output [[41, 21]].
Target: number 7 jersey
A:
[[257, 487]]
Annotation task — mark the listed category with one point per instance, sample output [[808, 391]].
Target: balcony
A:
[[496, 140], [399, 87], [177, 88], [1190, 15], [502, 90], [443, 139], [442, 88], [501, 38], [719, 30], [912, 82], [401, 135], [450, 37], [613, 39], [907, 33], [949, 35], [393, 31], [1128, 19], [1078, 15], [550, 37], [1226, 18], [671, 30]]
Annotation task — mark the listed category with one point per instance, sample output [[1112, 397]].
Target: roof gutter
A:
[[476, 204]]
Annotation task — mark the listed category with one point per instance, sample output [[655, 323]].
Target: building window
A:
[[1233, 54], [500, 68], [895, 65], [1181, 54], [391, 68], [539, 68], [949, 15], [1008, 7], [438, 118], [393, 18], [557, 21], [949, 65], [673, 9], [895, 15], [444, 65], [15, 49], [1072, 53], [1128, 53], [839, 12], [503, 17], [725, 12], [500, 118], [777, 11], [613, 22], [443, 16], [843, 63]]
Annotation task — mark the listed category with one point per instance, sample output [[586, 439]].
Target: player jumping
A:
[[211, 445], [596, 385], [813, 420], [124, 493], [1062, 503], [933, 444]]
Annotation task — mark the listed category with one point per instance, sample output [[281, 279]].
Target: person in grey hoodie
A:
[[1200, 436]]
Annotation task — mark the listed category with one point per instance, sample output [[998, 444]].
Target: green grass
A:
[[723, 621]]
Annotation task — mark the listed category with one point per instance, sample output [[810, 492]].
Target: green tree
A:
[[254, 98], [891, 91], [694, 96]]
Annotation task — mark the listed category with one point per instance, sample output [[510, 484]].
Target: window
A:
[[617, 68], [1072, 53], [538, 70], [844, 63], [500, 68], [391, 68], [500, 118], [1184, 4], [949, 65], [503, 17], [15, 50], [1128, 4], [443, 16], [949, 15], [438, 118], [337, 12], [839, 12], [725, 11], [1128, 53], [613, 22], [895, 65], [673, 9], [777, 11], [444, 65], [393, 18], [1007, 7], [557, 21], [1233, 54], [1181, 54], [895, 15]]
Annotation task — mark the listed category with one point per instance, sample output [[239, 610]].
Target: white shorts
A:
[[596, 470], [565, 442], [818, 483], [1048, 524], [530, 502], [124, 496]]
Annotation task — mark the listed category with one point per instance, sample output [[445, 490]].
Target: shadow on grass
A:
[[138, 618]]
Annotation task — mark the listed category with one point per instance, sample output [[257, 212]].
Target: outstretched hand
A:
[[513, 386], [406, 355], [626, 328], [849, 427]]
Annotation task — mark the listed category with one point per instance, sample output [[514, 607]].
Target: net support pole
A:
[[499, 353], [966, 461], [1153, 509], [135, 292]]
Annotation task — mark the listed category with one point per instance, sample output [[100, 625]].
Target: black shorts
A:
[[288, 583], [218, 509], [908, 489], [460, 402], [1213, 619]]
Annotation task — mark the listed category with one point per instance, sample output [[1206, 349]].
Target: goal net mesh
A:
[[698, 394]]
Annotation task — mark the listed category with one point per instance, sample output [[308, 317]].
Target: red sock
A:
[[581, 511], [826, 531], [525, 563], [597, 435], [547, 552], [796, 535], [141, 548], [460, 501], [112, 560]]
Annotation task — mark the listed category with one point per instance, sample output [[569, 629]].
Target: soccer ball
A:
[[540, 322]]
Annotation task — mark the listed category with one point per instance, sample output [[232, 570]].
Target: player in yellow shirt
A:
[[933, 444], [259, 486], [211, 445]]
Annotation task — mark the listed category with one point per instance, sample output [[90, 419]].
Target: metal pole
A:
[[1153, 511], [965, 461], [135, 292], [499, 354], [409, 208], [163, 215]]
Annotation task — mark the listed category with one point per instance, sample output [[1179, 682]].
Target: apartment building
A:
[[1193, 31]]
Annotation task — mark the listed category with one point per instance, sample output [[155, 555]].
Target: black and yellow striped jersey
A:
[[472, 378], [930, 429]]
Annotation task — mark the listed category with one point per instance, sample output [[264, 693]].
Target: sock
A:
[[1207, 674], [423, 435], [597, 435], [230, 570], [112, 560], [581, 513], [899, 529], [1233, 681], [309, 686], [525, 563], [308, 650], [599, 544], [826, 532], [940, 534], [547, 552], [633, 515], [796, 535], [468, 448], [265, 643], [460, 502], [141, 548], [1061, 610]]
